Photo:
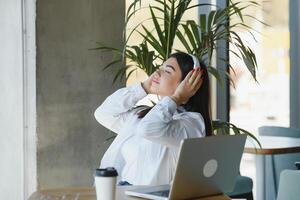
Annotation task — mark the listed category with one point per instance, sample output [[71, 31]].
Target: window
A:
[[265, 103]]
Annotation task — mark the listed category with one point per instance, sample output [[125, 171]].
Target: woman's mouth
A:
[[155, 81]]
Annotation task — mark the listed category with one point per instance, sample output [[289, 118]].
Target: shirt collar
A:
[[180, 109]]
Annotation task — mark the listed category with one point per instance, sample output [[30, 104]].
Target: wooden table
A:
[[88, 193], [274, 145], [271, 145]]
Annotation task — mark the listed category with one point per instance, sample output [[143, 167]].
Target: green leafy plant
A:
[[167, 27]]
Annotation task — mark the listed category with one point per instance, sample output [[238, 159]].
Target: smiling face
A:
[[167, 78]]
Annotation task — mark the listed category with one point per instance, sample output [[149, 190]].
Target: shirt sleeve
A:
[[160, 127], [113, 112]]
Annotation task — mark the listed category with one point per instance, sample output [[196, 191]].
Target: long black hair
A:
[[200, 101]]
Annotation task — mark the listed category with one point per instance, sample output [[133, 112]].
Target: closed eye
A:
[[167, 72]]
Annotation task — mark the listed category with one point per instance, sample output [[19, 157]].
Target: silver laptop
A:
[[205, 167]]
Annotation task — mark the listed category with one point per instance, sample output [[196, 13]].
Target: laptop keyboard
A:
[[164, 193]]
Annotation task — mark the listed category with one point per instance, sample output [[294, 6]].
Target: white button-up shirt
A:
[[156, 137]]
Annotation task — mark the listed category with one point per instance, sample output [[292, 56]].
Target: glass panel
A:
[[267, 102]]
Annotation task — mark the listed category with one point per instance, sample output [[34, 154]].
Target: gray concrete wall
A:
[[71, 84]]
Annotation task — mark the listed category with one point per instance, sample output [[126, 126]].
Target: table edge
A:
[[264, 151]]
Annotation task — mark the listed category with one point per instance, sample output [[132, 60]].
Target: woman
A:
[[145, 149]]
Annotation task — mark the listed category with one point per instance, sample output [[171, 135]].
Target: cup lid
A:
[[106, 172]]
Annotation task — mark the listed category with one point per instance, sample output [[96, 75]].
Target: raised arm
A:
[[113, 112], [159, 125]]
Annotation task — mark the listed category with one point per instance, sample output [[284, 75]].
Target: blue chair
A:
[[289, 185], [279, 131], [242, 189], [277, 163]]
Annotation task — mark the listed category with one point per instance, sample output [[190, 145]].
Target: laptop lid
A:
[[207, 166]]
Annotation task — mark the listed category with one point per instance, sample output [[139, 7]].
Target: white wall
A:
[[11, 100]]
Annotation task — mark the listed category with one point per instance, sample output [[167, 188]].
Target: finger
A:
[[199, 84], [196, 73], [197, 79], [188, 76], [201, 72], [193, 76]]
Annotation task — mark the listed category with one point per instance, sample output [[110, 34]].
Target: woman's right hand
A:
[[188, 87]]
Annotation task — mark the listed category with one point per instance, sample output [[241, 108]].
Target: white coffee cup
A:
[[105, 181]]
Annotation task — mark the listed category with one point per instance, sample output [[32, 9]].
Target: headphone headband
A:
[[195, 60]]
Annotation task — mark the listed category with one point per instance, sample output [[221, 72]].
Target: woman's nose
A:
[[158, 72]]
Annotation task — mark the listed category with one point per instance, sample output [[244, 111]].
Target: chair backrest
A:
[[278, 131], [289, 185]]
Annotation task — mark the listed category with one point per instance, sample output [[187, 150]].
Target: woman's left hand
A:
[[188, 87]]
